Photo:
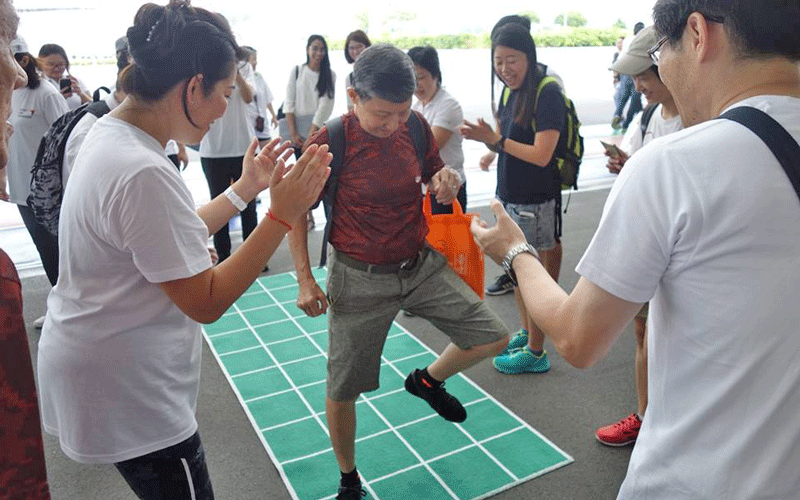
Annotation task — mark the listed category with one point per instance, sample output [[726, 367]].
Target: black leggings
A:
[[46, 243], [221, 173], [175, 473]]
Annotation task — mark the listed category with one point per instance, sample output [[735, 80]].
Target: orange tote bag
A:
[[449, 234]]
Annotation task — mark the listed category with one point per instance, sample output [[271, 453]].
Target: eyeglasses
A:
[[655, 51]]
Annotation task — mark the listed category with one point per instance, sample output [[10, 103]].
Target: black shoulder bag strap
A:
[[336, 144], [779, 141], [647, 115]]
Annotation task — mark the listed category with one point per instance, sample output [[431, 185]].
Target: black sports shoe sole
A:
[[411, 387]]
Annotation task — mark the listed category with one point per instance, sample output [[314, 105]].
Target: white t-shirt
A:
[[32, 113], [231, 134], [78, 135], [74, 100], [303, 99], [445, 112], [118, 362], [707, 225], [657, 127], [258, 107]]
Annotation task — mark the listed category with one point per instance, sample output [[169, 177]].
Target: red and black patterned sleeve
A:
[[22, 466]]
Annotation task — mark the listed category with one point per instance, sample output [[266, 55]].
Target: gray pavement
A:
[[565, 404]]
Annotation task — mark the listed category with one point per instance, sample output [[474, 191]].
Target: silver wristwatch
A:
[[521, 248]]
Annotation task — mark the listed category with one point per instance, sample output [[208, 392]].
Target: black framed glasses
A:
[[655, 51]]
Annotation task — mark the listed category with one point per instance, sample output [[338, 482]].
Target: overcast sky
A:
[[269, 25]]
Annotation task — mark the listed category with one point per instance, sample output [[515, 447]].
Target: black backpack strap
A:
[[336, 144], [779, 141], [96, 93], [417, 131], [98, 108], [647, 114]]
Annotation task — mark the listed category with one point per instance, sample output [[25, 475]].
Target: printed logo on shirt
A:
[[26, 113]]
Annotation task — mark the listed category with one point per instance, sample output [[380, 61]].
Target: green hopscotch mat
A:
[[275, 360]]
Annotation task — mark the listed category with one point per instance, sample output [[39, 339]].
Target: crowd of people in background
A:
[[697, 221]]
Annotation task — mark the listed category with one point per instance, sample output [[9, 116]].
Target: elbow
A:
[[206, 314], [575, 354]]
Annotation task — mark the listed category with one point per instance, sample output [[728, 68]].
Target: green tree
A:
[[620, 24], [362, 20], [574, 19], [532, 15]]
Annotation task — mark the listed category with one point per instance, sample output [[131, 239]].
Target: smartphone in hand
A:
[[612, 150], [65, 83]]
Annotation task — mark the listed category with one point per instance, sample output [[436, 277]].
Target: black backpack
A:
[[336, 144], [47, 188]]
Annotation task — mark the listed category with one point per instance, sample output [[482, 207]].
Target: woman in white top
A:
[[309, 98], [55, 66], [262, 102], [33, 109], [119, 355], [309, 93], [354, 45], [443, 114]]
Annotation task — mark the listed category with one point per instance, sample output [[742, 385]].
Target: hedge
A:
[[562, 37]]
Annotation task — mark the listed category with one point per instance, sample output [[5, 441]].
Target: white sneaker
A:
[[38, 323]]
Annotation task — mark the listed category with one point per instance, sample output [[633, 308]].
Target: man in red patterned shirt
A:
[[380, 262]]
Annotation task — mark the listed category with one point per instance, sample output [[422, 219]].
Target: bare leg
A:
[[551, 260], [641, 365], [454, 359], [342, 425]]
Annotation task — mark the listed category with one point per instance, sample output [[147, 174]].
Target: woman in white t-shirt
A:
[[262, 102], [55, 66], [443, 114], [119, 355], [34, 108], [223, 148]]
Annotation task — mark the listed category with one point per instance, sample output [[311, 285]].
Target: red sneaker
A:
[[621, 433]]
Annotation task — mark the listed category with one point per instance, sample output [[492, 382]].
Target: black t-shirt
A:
[[519, 181]]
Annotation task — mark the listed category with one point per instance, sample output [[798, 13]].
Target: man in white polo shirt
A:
[[706, 223]]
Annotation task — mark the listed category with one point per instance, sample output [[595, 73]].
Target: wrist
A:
[[271, 215], [245, 190], [512, 254], [499, 143]]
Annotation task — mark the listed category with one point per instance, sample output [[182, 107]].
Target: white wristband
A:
[[235, 199]]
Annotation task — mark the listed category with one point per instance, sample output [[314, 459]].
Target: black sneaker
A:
[[500, 286], [443, 403], [351, 493]]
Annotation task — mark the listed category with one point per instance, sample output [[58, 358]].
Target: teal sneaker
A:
[[518, 341], [521, 361]]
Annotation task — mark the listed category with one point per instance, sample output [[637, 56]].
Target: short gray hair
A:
[[385, 72]]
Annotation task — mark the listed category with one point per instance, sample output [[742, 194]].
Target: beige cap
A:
[[18, 46], [636, 60]]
